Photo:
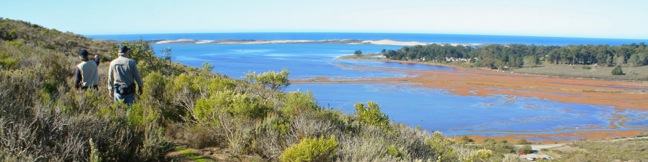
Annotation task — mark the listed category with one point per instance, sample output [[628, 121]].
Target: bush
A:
[[311, 149], [442, 147], [526, 149], [498, 147], [271, 79], [371, 115], [395, 152], [480, 155], [617, 71], [296, 103], [357, 53], [7, 62]]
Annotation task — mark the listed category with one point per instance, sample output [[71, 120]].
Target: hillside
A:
[[188, 114], [44, 118]]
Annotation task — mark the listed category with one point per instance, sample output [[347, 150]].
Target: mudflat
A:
[[464, 81], [620, 94]]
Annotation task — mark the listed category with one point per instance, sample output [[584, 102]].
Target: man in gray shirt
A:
[[122, 76]]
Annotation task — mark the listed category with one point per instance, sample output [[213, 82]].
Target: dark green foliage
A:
[[515, 55], [357, 53], [617, 71]]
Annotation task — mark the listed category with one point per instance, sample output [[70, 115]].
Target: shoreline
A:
[[554, 138]]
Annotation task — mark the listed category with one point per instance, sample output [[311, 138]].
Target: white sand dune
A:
[[330, 41]]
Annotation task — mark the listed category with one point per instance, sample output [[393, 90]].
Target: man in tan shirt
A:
[[122, 76], [85, 73]]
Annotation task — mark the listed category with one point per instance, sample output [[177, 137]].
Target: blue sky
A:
[[565, 18]]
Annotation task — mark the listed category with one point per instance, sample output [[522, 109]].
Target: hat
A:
[[123, 49], [83, 53]]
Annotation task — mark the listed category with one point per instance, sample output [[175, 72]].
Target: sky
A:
[[560, 18]]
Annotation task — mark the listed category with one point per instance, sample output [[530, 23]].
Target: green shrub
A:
[[206, 110], [442, 147], [617, 71], [220, 84], [297, 103], [271, 79], [238, 105], [498, 147], [371, 115], [311, 149], [7, 61], [526, 149], [395, 152], [140, 115], [480, 155]]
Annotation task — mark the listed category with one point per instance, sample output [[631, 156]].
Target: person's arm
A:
[[137, 77], [110, 79], [77, 78], [97, 59]]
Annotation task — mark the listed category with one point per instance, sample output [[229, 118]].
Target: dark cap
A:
[[83, 53], [123, 49]]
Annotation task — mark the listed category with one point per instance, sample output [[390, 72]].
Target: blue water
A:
[[428, 38], [302, 60], [438, 110], [431, 109]]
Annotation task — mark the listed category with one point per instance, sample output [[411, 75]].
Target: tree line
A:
[[518, 55]]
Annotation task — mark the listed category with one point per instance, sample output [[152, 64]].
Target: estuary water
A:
[[314, 55]]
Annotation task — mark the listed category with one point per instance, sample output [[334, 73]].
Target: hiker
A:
[[122, 76], [86, 75]]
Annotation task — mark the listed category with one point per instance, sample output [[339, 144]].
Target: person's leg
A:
[[129, 99]]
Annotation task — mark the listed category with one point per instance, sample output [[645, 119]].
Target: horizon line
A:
[[352, 32]]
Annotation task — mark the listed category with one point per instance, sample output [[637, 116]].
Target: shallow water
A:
[[431, 109]]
